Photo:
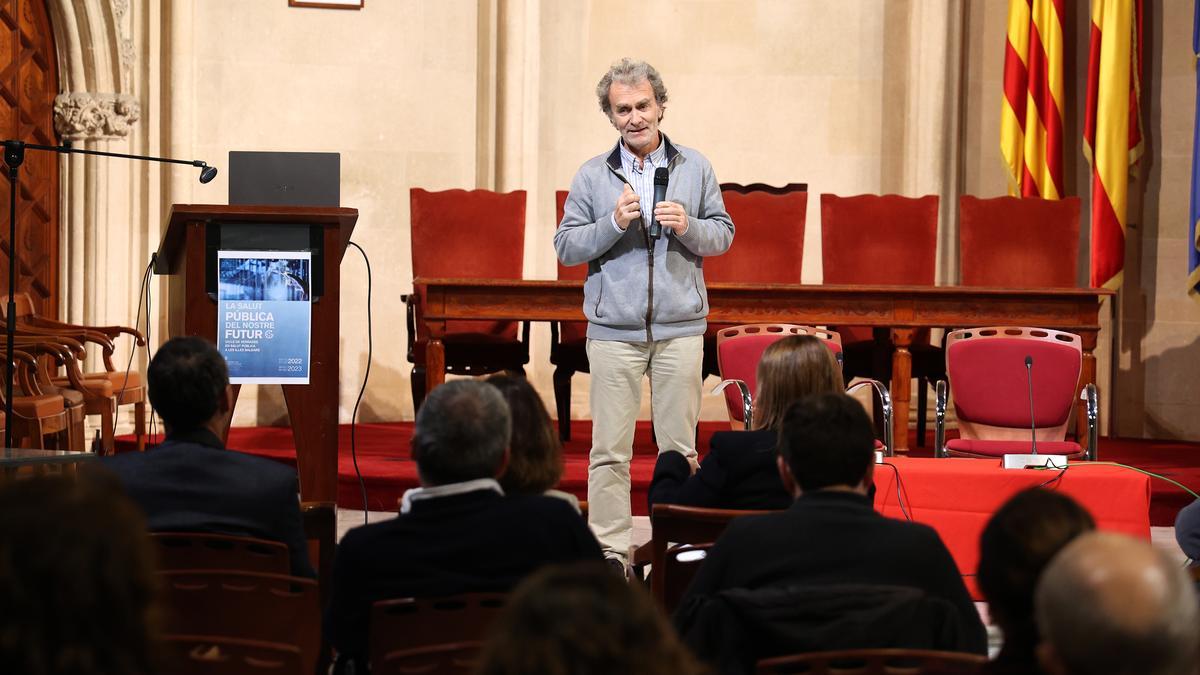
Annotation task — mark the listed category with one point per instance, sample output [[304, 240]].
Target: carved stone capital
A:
[[88, 116]]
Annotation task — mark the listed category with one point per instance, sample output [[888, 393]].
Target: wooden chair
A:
[[875, 662], [103, 390], [679, 568], [477, 234], [768, 247], [458, 658], [674, 524], [246, 605], [413, 623], [218, 655], [41, 419], [1012, 242], [991, 382], [882, 240], [568, 342], [203, 551]]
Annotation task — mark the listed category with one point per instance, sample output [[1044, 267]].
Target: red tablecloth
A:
[[957, 496]]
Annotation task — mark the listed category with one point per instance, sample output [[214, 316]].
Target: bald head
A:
[[1109, 604]]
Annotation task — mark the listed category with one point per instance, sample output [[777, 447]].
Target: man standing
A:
[[644, 297], [191, 483]]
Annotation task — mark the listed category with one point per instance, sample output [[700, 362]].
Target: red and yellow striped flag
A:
[[1031, 120], [1112, 130]]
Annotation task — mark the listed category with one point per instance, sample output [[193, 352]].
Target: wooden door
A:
[[28, 85]]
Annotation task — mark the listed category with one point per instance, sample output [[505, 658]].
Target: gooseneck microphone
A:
[[1032, 419], [660, 195]]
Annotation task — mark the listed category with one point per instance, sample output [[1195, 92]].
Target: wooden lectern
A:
[[188, 255]]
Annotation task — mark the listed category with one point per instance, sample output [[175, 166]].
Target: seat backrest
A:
[[245, 605], [875, 662], [1018, 242], [740, 348], [408, 623], [769, 246], [989, 381], [478, 234], [569, 331], [459, 658], [679, 568], [197, 550], [676, 524], [216, 655], [879, 239]]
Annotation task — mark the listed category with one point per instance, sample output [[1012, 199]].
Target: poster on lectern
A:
[[264, 315]]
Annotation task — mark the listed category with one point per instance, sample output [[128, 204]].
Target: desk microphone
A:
[[660, 195], [1032, 419]]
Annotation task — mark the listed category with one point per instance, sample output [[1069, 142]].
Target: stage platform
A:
[[387, 470]]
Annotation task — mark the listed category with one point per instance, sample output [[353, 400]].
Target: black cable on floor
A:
[[900, 491], [362, 485]]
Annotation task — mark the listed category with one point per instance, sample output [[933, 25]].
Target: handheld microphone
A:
[[1032, 419], [660, 195]]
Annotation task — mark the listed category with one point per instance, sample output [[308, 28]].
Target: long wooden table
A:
[[901, 309]]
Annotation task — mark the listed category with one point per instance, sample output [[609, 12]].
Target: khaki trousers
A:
[[617, 369]]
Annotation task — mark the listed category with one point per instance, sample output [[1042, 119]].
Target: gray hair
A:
[[1109, 604], [630, 72], [461, 432]]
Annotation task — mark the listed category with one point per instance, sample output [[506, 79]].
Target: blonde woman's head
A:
[[793, 368]]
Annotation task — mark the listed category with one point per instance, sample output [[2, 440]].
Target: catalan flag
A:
[[1193, 287], [1112, 130], [1031, 119]]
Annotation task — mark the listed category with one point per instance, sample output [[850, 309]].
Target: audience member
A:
[[190, 482], [1019, 541], [458, 532], [535, 462], [739, 471], [1109, 604], [582, 619], [831, 534], [77, 594], [1187, 530]]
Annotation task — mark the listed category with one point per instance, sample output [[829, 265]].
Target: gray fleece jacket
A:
[[638, 290]]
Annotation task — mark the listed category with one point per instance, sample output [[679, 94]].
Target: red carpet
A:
[[383, 459]]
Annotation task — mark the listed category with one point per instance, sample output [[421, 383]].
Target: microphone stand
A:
[[14, 156]]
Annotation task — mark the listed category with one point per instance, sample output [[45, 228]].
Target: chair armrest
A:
[[1091, 398], [112, 332], [941, 394], [885, 403], [747, 403]]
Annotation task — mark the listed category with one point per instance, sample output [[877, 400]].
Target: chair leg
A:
[[418, 387], [922, 405], [139, 424], [562, 401], [106, 430]]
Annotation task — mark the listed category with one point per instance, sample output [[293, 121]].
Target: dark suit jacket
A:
[[190, 483], [737, 473], [474, 542], [830, 537]]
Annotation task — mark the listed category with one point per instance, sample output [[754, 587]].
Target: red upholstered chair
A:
[[987, 369], [1018, 243], [881, 240], [477, 234], [767, 249], [568, 340], [740, 348]]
